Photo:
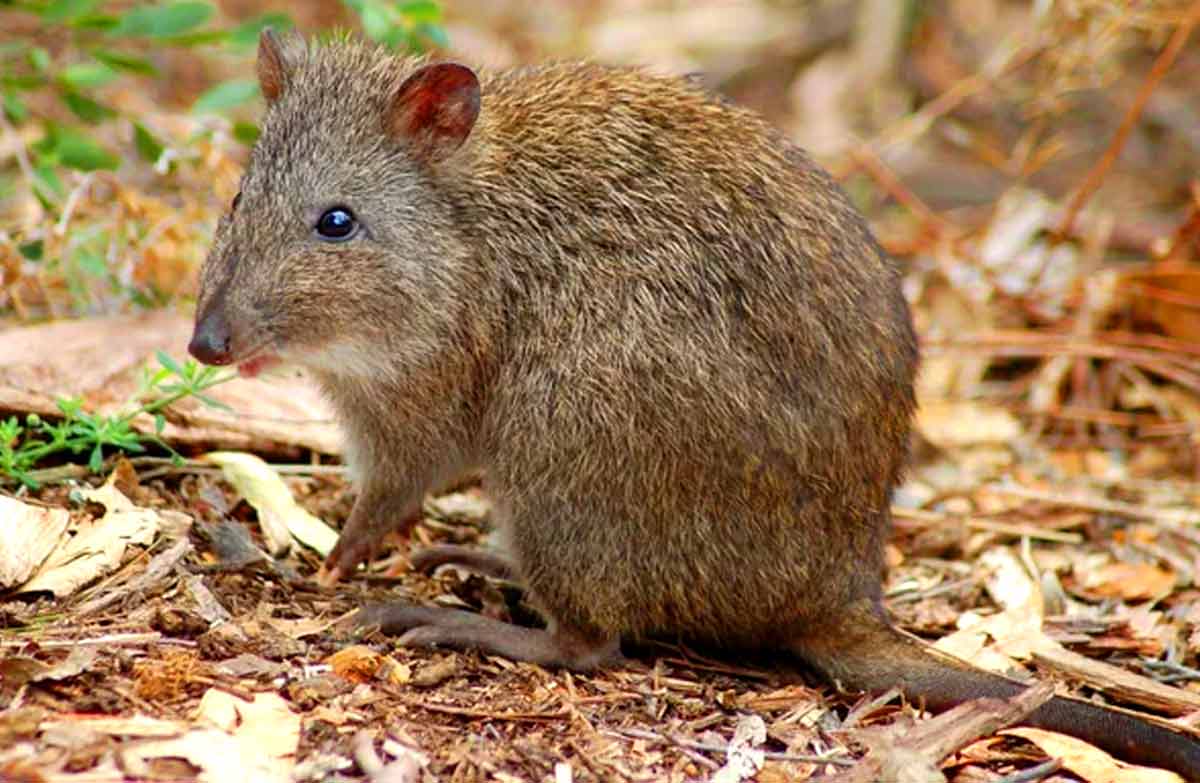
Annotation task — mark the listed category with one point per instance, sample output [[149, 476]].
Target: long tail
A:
[[866, 653]]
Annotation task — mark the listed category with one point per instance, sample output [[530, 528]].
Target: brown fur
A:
[[668, 339]]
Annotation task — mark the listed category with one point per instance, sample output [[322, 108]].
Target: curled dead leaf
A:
[[1091, 763]]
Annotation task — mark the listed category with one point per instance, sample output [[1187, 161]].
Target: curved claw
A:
[[328, 577], [345, 559]]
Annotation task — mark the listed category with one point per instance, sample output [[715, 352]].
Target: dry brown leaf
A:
[[1168, 298], [20, 669], [132, 726], [98, 546], [279, 515], [957, 424], [266, 724], [1015, 632], [28, 534], [359, 663], [220, 757], [356, 663], [1128, 581], [298, 629], [1091, 763]]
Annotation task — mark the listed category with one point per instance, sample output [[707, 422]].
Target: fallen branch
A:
[[925, 745]]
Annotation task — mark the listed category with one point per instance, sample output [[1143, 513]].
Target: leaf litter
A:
[[1047, 525]]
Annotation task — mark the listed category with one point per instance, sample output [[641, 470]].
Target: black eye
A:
[[237, 200], [337, 223]]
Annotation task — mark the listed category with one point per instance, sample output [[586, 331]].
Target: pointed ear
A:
[[277, 59], [434, 110]]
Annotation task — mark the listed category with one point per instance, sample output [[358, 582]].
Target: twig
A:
[[870, 162], [464, 712], [156, 572], [683, 742], [868, 707], [1167, 516], [1021, 530], [1122, 684], [908, 596], [937, 738], [131, 639], [916, 124], [1185, 236], [1161, 65], [1176, 672], [60, 228], [1015, 344], [1033, 774], [1015, 529], [18, 149]]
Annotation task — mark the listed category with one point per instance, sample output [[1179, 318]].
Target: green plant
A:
[[24, 445], [100, 47], [64, 81], [104, 44], [411, 26]]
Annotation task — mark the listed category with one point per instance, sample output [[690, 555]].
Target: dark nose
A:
[[210, 339]]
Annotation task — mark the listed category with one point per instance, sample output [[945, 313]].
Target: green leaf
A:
[[148, 147], [376, 21], [76, 151], [22, 81], [160, 375], [160, 421], [39, 58], [226, 95], [165, 360], [68, 10], [46, 183], [125, 62], [92, 262], [199, 38], [32, 250], [420, 11], [245, 132], [434, 33], [69, 406], [163, 21], [85, 108], [96, 22], [214, 403], [96, 461], [15, 108], [82, 76], [245, 35]]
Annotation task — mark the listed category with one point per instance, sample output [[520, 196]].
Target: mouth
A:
[[250, 368]]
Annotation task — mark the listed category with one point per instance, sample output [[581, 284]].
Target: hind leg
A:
[[487, 563], [557, 646]]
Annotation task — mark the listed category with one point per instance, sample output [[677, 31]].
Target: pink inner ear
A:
[[436, 108]]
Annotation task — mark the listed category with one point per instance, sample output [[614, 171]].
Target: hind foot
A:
[[427, 626]]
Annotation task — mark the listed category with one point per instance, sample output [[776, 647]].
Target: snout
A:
[[211, 339]]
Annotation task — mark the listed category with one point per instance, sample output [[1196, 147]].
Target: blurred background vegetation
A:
[[1032, 164]]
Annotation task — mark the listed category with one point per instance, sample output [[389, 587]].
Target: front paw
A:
[[345, 558]]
